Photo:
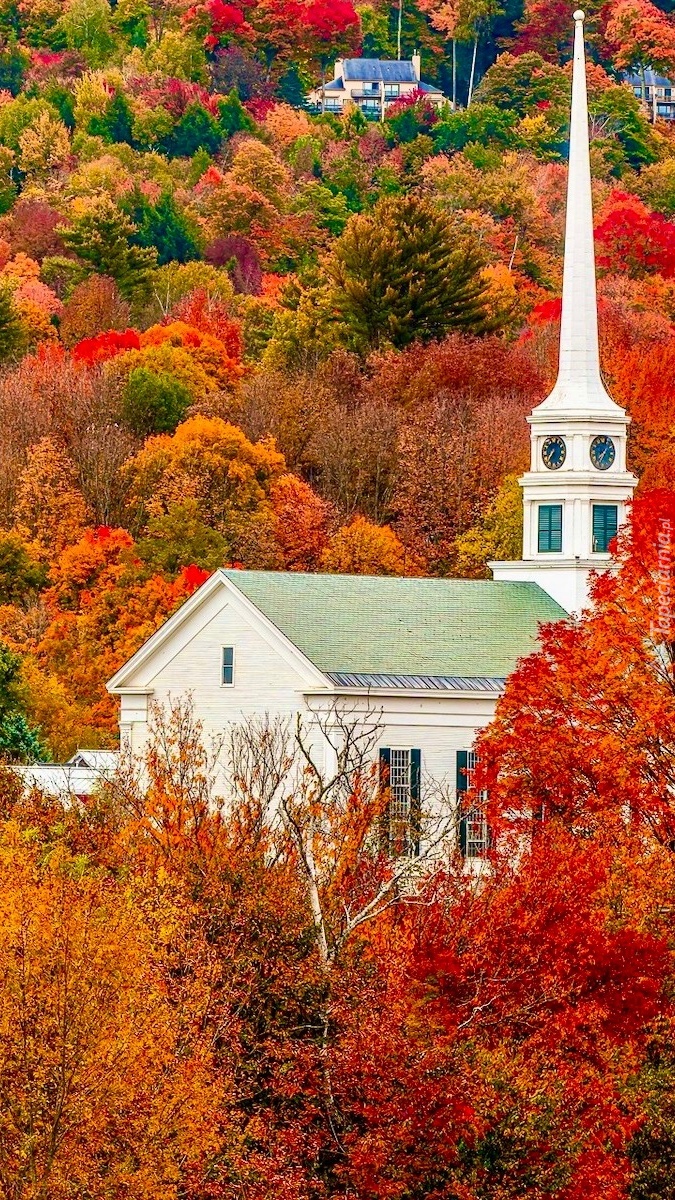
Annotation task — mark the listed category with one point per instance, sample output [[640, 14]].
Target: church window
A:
[[474, 835], [400, 771], [605, 525], [550, 528], [228, 666]]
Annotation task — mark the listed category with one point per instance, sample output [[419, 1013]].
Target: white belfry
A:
[[577, 488]]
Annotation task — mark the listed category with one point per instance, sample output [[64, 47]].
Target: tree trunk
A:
[[473, 70], [323, 88], [400, 29], [454, 74], [315, 902]]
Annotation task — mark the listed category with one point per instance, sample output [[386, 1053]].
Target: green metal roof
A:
[[373, 624]]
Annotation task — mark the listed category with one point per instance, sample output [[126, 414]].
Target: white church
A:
[[431, 656]]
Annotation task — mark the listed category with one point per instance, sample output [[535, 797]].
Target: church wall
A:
[[264, 679]]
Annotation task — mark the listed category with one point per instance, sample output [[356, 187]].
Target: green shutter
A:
[[550, 528], [605, 526], [462, 787], [415, 800], [462, 768], [385, 769]]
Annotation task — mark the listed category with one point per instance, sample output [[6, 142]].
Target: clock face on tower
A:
[[554, 453], [603, 452]]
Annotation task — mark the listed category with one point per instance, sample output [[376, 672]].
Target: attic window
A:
[[228, 666]]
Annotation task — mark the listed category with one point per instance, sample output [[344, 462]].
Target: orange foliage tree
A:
[[100, 1078], [302, 518], [640, 35], [49, 507]]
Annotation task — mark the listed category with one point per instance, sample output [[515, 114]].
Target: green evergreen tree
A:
[[291, 87], [14, 62], [196, 130], [116, 124], [233, 116], [61, 97], [19, 741], [164, 226], [101, 238], [403, 273]]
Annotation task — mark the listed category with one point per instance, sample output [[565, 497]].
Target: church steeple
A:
[[576, 491], [579, 385]]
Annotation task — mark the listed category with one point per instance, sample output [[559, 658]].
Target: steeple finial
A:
[[579, 385]]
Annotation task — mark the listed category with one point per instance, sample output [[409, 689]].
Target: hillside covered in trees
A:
[[236, 330], [233, 331]]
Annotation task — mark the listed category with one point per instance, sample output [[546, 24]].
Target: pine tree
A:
[[196, 130], [116, 125], [233, 116], [101, 236], [165, 227], [404, 274]]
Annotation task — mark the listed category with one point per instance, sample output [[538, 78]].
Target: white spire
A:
[[579, 387]]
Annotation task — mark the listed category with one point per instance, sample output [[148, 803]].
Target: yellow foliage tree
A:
[[205, 350], [497, 537], [43, 146], [213, 463], [362, 548], [50, 506], [255, 165], [49, 705]]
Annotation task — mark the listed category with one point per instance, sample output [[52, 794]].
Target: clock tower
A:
[[577, 488]]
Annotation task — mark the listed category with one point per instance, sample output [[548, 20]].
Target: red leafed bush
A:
[[105, 346], [546, 312], [633, 239], [208, 315], [191, 578]]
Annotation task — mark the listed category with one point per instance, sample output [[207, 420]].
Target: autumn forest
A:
[[241, 329]]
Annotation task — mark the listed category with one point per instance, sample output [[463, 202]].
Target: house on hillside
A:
[[430, 657], [372, 84], [657, 92]]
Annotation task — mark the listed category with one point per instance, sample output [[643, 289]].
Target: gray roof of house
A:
[[369, 70], [428, 630], [416, 683], [651, 79]]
